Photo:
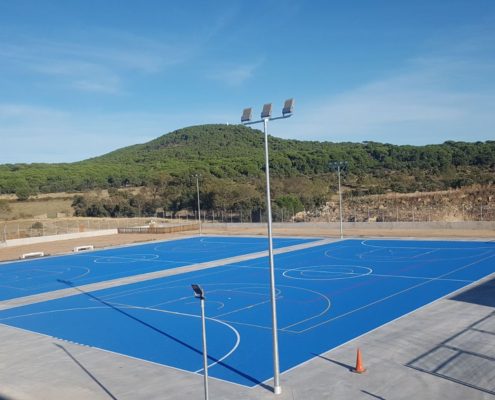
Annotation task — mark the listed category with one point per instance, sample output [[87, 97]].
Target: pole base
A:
[[277, 389]]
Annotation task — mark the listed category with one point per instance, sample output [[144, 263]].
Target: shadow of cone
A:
[[359, 364]]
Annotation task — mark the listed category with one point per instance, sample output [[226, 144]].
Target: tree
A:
[[4, 207], [23, 193]]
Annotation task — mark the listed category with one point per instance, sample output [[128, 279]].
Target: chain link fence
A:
[[352, 212], [44, 227], [400, 213], [356, 213]]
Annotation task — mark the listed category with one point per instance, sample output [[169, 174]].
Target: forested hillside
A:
[[233, 155]]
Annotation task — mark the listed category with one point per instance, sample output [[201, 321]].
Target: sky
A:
[[81, 78]]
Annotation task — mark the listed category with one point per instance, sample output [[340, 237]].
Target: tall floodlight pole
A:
[[266, 115], [338, 166], [200, 294], [199, 206]]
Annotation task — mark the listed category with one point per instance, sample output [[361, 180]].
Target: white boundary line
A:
[[125, 355], [127, 306], [395, 294], [364, 243], [453, 293]]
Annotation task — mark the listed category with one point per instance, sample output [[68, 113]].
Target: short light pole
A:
[[266, 115], [338, 166], [200, 294], [197, 176]]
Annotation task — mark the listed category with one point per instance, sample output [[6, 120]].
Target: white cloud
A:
[[433, 100], [99, 67], [235, 75], [109, 85]]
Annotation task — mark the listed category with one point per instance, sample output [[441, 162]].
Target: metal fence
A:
[[358, 213], [410, 214], [353, 212], [58, 226], [160, 229]]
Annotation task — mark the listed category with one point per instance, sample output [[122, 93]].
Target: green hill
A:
[[234, 153]]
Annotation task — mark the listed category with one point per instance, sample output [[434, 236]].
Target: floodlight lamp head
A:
[[267, 111], [247, 115], [198, 291], [288, 107]]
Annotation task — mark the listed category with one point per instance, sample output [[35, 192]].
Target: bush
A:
[[37, 225]]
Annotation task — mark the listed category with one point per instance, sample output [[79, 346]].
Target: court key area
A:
[[327, 294]]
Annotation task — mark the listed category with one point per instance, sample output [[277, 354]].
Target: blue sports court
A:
[[327, 294]]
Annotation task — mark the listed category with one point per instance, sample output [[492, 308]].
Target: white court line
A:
[[128, 306], [325, 310], [236, 291], [484, 279], [127, 280], [238, 336], [126, 356], [51, 312], [170, 301], [284, 329], [269, 327], [396, 258], [329, 304], [392, 295], [365, 243], [159, 286], [252, 305], [222, 304], [422, 277], [125, 259], [46, 273], [308, 269], [162, 285], [424, 254]]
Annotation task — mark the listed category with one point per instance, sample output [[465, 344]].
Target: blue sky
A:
[[81, 78]]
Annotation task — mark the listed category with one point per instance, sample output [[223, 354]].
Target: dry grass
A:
[[32, 208]]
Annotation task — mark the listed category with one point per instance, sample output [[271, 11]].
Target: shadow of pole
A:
[[341, 364], [373, 395], [177, 340], [86, 371]]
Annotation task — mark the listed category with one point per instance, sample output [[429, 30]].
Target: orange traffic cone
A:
[[359, 364]]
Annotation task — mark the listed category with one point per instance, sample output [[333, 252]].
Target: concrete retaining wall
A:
[[51, 238]]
